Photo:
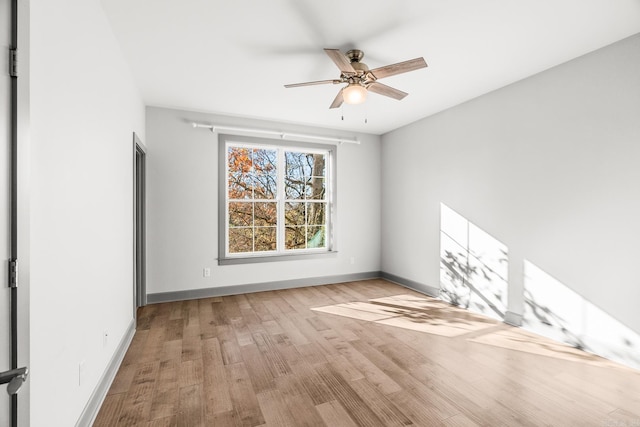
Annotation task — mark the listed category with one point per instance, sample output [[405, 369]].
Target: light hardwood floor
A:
[[367, 353]]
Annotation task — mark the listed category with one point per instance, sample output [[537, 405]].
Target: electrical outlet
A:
[[105, 338], [206, 272]]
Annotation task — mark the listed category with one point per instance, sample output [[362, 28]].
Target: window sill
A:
[[276, 258]]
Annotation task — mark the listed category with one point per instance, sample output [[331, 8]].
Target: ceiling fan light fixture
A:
[[354, 94]]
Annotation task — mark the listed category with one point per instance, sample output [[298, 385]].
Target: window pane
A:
[[315, 236], [240, 186], [264, 161], [239, 160], [315, 189], [294, 214], [298, 164], [265, 173], [317, 165], [265, 186], [294, 187], [295, 238], [304, 177], [266, 214], [240, 239], [240, 214], [316, 213], [265, 239]]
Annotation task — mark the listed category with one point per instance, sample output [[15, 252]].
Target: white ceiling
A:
[[234, 56]]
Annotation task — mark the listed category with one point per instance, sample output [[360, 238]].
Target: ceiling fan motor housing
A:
[[355, 55], [360, 79]]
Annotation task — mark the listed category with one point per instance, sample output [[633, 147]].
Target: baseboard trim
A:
[[258, 287], [411, 284], [92, 407], [513, 319]]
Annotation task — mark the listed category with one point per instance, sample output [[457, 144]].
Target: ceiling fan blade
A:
[[385, 90], [399, 68], [338, 101], [341, 61], [319, 82]]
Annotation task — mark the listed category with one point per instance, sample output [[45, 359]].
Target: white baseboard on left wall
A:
[[92, 407]]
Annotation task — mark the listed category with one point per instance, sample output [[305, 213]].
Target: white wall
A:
[[85, 108], [182, 208], [549, 166]]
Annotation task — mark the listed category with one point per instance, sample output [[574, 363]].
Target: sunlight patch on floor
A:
[[432, 316], [411, 312]]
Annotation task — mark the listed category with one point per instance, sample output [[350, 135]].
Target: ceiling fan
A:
[[360, 79]]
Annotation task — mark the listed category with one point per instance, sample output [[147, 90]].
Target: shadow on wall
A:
[[554, 310], [473, 266]]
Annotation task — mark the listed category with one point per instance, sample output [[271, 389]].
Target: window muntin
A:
[[277, 199]]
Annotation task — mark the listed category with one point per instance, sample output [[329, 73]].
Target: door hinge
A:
[[13, 273], [13, 62]]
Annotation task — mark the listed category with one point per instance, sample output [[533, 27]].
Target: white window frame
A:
[[281, 253]]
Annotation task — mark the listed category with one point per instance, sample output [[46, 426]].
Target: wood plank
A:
[[340, 388], [175, 310], [171, 350], [229, 345], [230, 308], [258, 307], [458, 421], [162, 314], [243, 396], [191, 315], [386, 356], [145, 316], [379, 404], [275, 362], [317, 323], [420, 411], [137, 402], [312, 382], [216, 388], [370, 370], [303, 411], [110, 410], [190, 408], [136, 348], [164, 403], [206, 319], [219, 317], [191, 373], [334, 415], [153, 347], [225, 419], [171, 421], [260, 374], [191, 347], [244, 335], [175, 328], [122, 382], [290, 328], [274, 408]]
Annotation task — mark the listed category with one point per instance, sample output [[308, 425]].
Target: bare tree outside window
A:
[[266, 204], [305, 207]]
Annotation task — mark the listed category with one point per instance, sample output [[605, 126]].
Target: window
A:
[[277, 199]]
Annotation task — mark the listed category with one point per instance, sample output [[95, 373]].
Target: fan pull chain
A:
[[365, 115], [342, 112]]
